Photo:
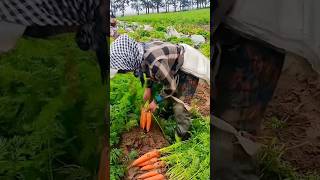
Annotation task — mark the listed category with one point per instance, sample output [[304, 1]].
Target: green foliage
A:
[[176, 40], [160, 28], [117, 170], [125, 100], [205, 49], [143, 33], [190, 159], [199, 17], [51, 111], [275, 123], [158, 35], [124, 104], [272, 166], [133, 155], [121, 31]]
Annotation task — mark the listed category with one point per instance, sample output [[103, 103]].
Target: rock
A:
[[121, 24], [134, 25], [197, 39], [184, 35], [129, 29], [148, 28], [171, 32]]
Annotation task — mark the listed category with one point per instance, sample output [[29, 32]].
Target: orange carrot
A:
[[146, 157], [149, 116], [143, 118], [156, 177], [148, 174], [151, 161], [153, 166]]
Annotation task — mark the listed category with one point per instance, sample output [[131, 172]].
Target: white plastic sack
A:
[[113, 72], [293, 25], [9, 34], [196, 63]]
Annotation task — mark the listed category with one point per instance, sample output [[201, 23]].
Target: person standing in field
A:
[[167, 64], [113, 26]]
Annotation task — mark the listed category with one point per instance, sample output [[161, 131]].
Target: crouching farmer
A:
[[177, 67]]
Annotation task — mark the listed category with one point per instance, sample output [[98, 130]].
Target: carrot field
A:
[[51, 110], [184, 160]]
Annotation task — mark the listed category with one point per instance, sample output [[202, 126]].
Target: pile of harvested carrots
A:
[[151, 165], [145, 117]]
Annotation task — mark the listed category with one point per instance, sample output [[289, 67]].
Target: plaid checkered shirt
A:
[[161, 62]]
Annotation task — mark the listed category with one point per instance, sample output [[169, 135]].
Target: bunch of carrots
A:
[[150, 163], [145, 117]]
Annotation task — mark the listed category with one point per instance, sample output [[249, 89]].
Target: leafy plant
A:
[[124, 115], [51, 111], [190, 159]]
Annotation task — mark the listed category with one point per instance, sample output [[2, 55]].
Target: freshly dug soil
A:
[[137, 139], [296, 103], [201, 98]]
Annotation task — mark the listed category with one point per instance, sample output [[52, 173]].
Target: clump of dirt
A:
[[201, 99], [296, 105], [137, 139]]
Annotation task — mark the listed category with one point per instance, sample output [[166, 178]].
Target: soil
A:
[[201, 98], [139, 140], [296, 103]]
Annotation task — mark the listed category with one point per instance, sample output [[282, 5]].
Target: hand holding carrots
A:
[[153, 106], [147, 94]]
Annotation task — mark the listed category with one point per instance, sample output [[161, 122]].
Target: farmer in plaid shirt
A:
[[161, 63]]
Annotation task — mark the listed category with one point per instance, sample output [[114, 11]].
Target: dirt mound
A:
[[137, 139], [296, 105]]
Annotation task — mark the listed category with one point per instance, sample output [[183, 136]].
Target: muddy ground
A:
[[296, 108], [201, 98]]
